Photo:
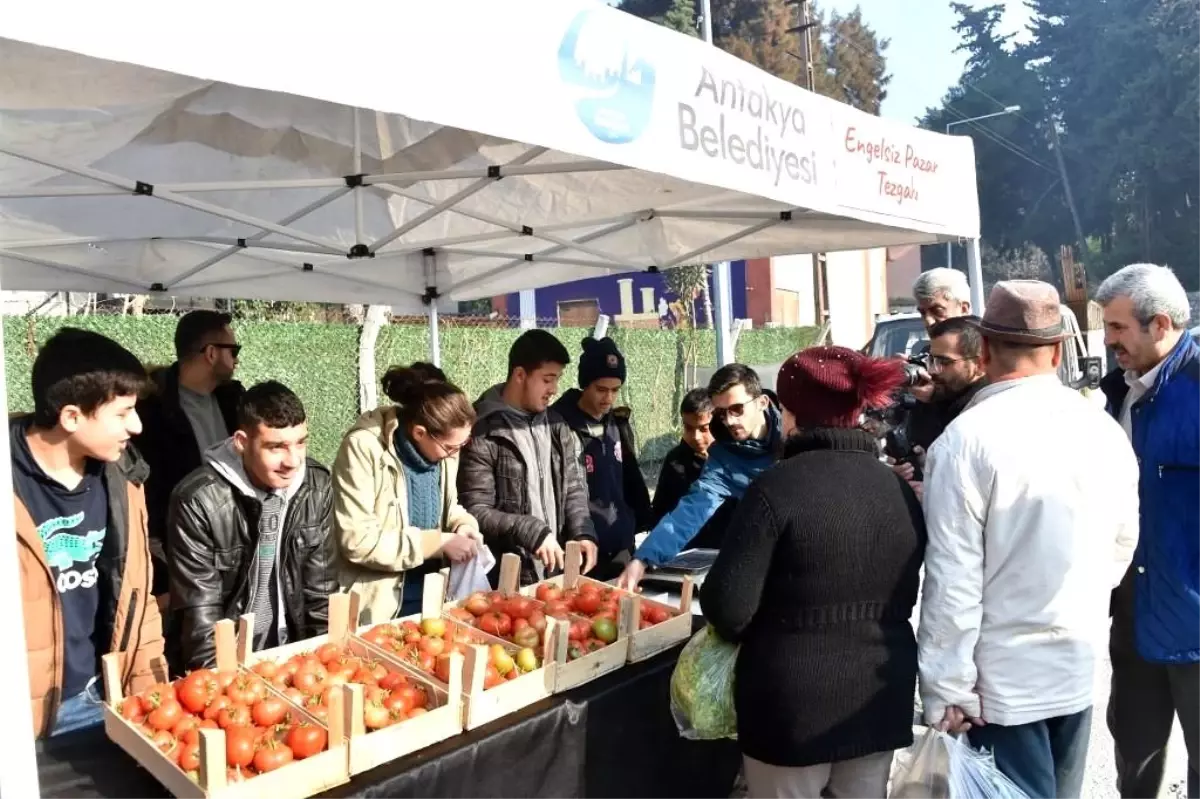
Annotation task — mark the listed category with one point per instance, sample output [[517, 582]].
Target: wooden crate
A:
[[567, 674], [484, 706], [312, 775], [642, 643], [371, 748]]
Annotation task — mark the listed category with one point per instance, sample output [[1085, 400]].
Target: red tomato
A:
[[294, 695], [537, 620], [155, 695], [216, 706], [434, 646], [185, 725], [557, 609], [398, 701], [491, 677], [242, 691], [376, 716], [166, 715], [547, 592], [189, 756], [306, 740], [272, 755], [417, 711], [477, 604], [166, 743], [442, 668], [391, 680], [461, 614], [328, 652], [498, 624], [235, 715], [268, 712], [310, 679], [587, 603], [197, 689], [224, 678], [579, 630], [131, 710]]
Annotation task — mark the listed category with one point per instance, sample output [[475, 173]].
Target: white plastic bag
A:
[[702, 688], [470, 576], [942, 766]]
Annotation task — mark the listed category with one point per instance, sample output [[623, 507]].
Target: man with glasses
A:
[[192, 407], [747, 427]]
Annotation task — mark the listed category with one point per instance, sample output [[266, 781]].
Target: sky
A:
[[921, 55]]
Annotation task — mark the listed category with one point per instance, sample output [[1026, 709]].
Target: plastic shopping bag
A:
[[941, 766], [702, 688]]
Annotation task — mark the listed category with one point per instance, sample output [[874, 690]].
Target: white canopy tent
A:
[[434, 152]]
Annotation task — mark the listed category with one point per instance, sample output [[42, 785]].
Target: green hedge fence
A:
[[319, 362]]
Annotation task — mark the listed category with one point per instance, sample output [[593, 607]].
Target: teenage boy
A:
[[520, 476], [251, 531], [748, 436], [617, 496], [81, 529], [684, 463]]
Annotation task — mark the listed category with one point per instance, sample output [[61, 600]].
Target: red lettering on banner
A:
[[894, 189]]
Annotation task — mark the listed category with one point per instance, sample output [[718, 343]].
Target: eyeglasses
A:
[[940, 362], [450, 450], [236, 349]]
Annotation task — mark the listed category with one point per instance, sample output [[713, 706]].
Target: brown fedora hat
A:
[[1023, 312]]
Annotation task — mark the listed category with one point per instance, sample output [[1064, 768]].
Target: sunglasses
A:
[[735, 411], [236, 349]]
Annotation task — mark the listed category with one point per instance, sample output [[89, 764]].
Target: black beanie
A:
[[600, 359]]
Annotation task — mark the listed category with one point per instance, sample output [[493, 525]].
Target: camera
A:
[[916, 370]]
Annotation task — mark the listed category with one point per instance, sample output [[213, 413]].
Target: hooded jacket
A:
[[127, 620], [617, 495], [731, 466], [212, 547], [370, 515], [494, 484], [168, 444]]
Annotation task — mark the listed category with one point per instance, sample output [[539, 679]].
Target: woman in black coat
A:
[[816, 580]]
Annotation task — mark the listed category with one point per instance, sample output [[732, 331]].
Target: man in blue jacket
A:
[[1155, 644], [748, 429]]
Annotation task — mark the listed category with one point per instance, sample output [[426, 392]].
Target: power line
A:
[[999, 140]]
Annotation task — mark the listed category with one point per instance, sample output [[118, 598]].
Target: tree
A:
[[856, 56], [681, 16], [1026, 262]]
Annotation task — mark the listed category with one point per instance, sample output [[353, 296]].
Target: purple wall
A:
[[606, 291]]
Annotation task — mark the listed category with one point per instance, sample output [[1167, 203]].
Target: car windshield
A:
[[897, 337]]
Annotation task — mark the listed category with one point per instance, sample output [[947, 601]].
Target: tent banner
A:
[[576, 76]]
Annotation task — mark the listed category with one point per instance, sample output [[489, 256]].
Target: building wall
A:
[[606, 291], [903, 267], [858, 291]]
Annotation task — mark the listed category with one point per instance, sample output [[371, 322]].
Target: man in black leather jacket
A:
[[250, 531]]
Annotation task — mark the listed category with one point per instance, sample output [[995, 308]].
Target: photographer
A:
[[955, 375]]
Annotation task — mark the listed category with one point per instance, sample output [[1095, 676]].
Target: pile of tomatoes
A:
[[592, 611], [261, 734], [518, 619], [428, 646]]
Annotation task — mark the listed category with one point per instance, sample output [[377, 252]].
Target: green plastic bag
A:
[[702, 688]]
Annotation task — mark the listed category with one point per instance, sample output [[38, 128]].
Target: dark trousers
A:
[[1046, 759], [1142, 707]]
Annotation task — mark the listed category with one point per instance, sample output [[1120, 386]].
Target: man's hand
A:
[[955, 721], [905, 470], [633, 574], [551, 554], [459, 548], [591, 554], [918, 488], [470, 531]]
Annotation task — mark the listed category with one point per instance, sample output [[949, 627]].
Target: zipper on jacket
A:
[[129, 619], [1177, 467]]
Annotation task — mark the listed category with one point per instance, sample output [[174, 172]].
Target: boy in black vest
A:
[[618, 500]]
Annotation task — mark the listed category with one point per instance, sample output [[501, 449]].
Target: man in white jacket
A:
[[1031, 503]]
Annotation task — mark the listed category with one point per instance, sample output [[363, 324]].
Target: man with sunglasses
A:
[[747, 427], [192, 407]]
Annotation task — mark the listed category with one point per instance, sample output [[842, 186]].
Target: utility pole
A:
[[804, 30], [1062, 172]]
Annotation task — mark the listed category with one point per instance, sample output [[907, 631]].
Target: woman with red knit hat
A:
[[816, 580]]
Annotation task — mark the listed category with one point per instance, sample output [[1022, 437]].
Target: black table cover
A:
[[613, 737]]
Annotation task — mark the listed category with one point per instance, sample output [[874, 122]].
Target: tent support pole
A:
[[722, 322], [19, 777], [358, 195], [975, 276], [435, 336]]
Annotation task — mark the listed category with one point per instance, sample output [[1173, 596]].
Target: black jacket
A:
[[928, 420], [680, 469], [169, 448], [617, 495], [212, 540], [817, 580], [492, 487]]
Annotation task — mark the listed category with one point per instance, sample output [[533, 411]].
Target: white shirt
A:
[[1138, 386], [1031, 504]]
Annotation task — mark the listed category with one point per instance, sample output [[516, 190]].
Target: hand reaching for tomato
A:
[[551, 554], [633, 574]]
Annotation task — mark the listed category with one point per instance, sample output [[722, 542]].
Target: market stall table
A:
[[611, 737]]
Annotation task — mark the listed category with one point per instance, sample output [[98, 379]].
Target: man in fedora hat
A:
[[1032, 511]]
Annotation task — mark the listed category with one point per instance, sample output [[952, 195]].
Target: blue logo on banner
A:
[[613, 86]]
